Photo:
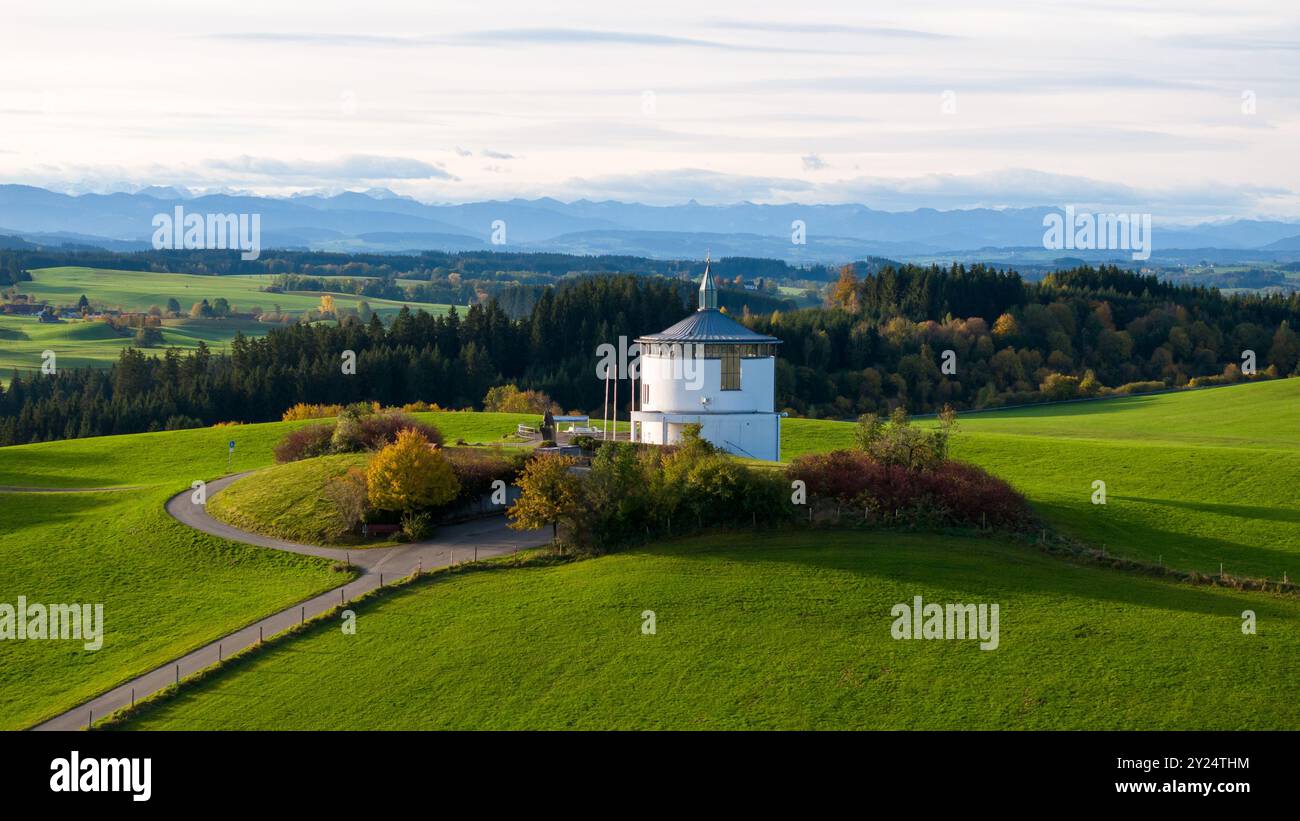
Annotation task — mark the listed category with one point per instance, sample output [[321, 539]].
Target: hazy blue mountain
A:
[[690, 244], [380, 220], [1288, 244]]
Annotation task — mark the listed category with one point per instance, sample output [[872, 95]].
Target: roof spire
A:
[[708, 292]]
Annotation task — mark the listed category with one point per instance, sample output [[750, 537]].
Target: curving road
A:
[[479, 539]]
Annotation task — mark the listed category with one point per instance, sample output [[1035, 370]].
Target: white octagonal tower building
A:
[[711, 370]]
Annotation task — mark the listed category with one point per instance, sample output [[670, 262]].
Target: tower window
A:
[[731, 369], [645, 394]]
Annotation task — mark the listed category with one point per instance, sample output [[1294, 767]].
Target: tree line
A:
[[906, 336]]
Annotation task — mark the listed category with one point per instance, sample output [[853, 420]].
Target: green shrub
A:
[[900, 443]]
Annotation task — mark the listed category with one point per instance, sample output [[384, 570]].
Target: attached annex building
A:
[[711, 370]]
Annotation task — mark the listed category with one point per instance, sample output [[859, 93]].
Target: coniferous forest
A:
[[920, 337]]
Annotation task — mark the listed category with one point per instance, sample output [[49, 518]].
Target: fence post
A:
[[178, 674]]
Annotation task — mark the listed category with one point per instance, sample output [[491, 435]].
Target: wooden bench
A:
[[381, 530], [525, 430]]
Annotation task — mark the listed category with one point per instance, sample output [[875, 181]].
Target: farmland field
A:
[[90, 343], [79, 343], [137, 290]]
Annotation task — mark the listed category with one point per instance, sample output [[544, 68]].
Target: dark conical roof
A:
[[709, 325]]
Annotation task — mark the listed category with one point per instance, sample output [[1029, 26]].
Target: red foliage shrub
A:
[[304, 443], [369, 432], [380, 429], [477, 471], [953, 493]]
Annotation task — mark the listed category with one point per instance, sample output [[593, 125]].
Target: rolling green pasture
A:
[[1193, 479], [753, 629], [92, 344], [166, 589], [762, 630], [138, 290]]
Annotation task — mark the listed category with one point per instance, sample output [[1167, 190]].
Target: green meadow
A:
[[138, 290], [286, 501], [79, 343], [761, 631], [93, 344], [1193, 479], [166, 589], [753, 629]]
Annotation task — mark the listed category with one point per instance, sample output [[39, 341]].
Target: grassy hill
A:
[[165, 588], [94, 344], [137, 290], [753, 630], [771, 631], [286, 501], [1193, 478]]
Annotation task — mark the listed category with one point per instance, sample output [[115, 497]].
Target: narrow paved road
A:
[[480, 539]]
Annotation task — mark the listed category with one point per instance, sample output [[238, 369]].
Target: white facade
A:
[[682, 382]]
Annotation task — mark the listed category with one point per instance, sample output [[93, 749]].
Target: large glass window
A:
[[731, 368]]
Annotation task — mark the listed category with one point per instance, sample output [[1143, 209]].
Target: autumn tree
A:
[[844, 293], [410, 474], [1006, 328], [347, 496], [509, 399], [550, 494]]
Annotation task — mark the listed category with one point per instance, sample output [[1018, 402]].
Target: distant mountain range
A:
[[381, 221]]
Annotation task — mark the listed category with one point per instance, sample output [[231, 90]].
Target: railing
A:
[[733, 445]]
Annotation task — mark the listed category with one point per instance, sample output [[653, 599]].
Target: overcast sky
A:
[[1183, 108]]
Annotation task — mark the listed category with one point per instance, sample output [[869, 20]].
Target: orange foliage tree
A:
[[410, 474]]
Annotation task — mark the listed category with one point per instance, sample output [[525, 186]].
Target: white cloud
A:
[[354, 168], [813, 162], [310, 95]]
